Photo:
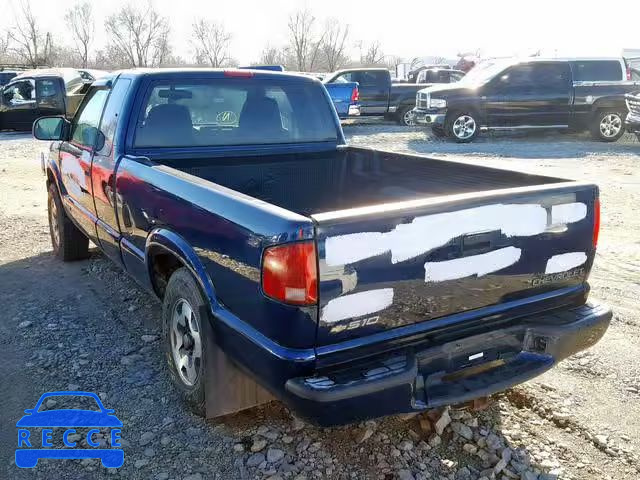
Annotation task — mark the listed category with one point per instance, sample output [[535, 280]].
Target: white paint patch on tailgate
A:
[[568, 213], [426, 233], [357, 305], [475, 265], [565, 261]]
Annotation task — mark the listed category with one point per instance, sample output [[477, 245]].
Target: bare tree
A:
[[80, 21], [273, 56], [211, 42], [303, 42], [31, 44], [373, 55], [4, 47], [140, 36], [334, 43]]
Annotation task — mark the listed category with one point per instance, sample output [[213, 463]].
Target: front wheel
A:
[[184, 338], [607, 125], [405, 117], [462, 127]]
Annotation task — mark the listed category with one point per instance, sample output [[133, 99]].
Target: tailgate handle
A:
[[477, 243]]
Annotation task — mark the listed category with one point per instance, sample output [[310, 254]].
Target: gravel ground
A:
[[86, 325]]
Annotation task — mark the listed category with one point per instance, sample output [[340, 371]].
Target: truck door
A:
[[19, 109], [103, 174], [75, 161], [374, 86], [536, 94], [50, 95]]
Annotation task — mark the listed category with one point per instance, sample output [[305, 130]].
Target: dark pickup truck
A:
[[632, 122], [37, 93], [377, 95], [569, 94], [348, 282]]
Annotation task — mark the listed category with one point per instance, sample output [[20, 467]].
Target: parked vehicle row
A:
[[378, 96], [563, 94], [350, 283]]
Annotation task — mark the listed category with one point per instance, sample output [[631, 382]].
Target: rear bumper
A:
[[454, 372], [431, 117]]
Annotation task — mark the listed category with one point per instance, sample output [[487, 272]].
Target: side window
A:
[[85, 128], [47, 88], [345, 78], [111, 114], [597, 70], [19, 93], [518, 76], [551, 76], [456, 76], [372, 78]]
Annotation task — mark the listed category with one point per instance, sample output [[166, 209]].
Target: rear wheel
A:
[[405, 117], [184, 338], [462, 126], [68, 241], [607, 125]]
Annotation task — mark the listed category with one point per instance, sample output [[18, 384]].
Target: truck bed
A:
[[310, 184], [406, 240]]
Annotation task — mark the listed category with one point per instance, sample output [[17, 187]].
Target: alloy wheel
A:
[[186, 342], [464, 127], [610, 125]]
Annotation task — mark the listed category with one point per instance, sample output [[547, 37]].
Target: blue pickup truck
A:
[[348, 282]]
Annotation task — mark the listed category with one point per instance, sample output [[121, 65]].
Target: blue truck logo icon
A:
[[63, 443]]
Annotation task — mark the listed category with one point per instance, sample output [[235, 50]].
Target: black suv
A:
[[576, 94]]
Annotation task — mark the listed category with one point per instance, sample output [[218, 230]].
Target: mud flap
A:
[[227, 388]]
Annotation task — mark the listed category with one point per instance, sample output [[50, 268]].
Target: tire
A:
[[607, 125], [462, 126], [404, 117], [183, 300], [67, 240], [438, 132]]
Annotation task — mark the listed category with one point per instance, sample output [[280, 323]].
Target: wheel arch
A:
[[166, 252], [613, 102]]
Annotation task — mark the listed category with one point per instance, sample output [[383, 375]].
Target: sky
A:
[[409, 28]]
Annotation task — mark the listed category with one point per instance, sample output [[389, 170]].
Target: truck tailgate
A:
[[389, 266]]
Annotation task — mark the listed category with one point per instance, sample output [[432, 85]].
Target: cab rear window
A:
[[221, 112], [597, 70]]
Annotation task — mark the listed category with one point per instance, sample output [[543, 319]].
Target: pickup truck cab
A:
[[576, 94], [377, 95], [348, 282]]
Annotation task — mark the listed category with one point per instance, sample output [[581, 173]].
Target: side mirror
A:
[[50, 128], [29, 411]]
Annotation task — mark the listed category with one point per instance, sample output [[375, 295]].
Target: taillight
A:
[[289, 273], [596, 222], [355, 95]]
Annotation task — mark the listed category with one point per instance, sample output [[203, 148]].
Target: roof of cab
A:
[[208, 72]]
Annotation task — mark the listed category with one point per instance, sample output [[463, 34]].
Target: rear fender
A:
[[614, 102], [176, 245]]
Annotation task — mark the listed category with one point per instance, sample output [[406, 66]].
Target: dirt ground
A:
[[86, 325]]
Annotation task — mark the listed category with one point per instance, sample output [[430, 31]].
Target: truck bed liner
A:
[[309, 184]]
